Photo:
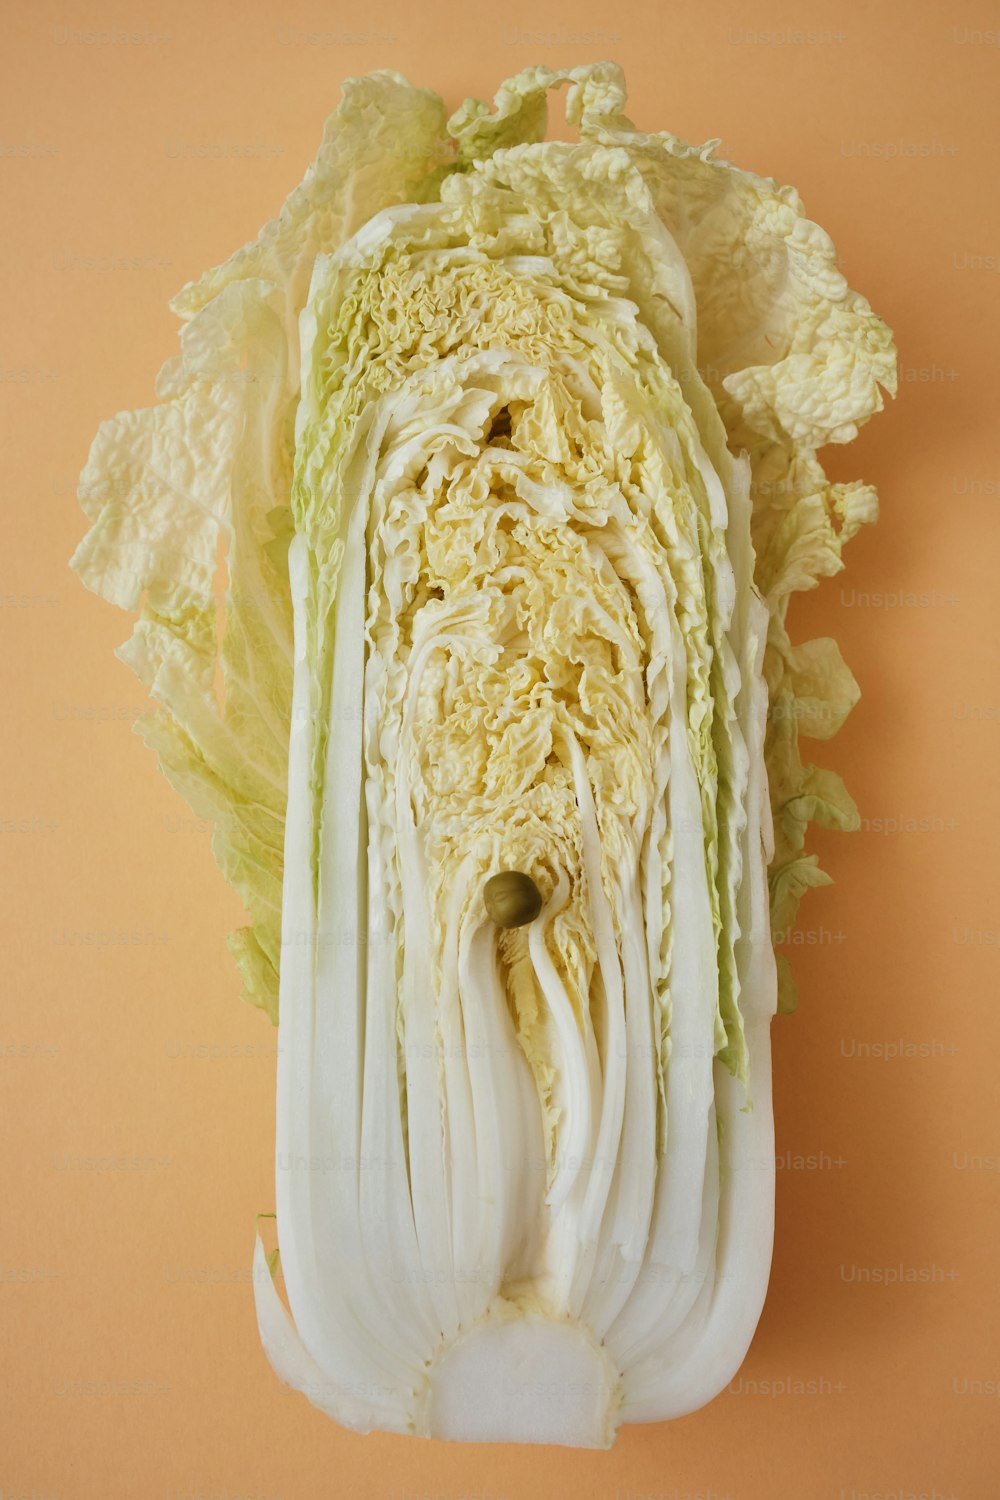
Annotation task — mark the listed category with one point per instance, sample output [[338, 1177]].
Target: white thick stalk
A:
[[694, 998], [502, 1137], [329, 1331], [464, 1169], [625, 1229], [630, 1204], [573, 1139], [707, 1351], [340, 1030], [428, 1188], [616, 1052]]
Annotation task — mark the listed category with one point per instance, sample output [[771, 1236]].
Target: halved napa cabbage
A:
[[510, 447]]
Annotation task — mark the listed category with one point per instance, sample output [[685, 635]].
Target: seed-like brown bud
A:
[[512, 899]]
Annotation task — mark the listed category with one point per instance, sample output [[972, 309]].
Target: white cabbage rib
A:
[[526, 638]]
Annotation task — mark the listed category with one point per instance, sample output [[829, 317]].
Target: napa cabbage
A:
[[510, 448]]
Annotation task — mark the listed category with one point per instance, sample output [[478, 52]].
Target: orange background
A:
[[138, 1092]]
